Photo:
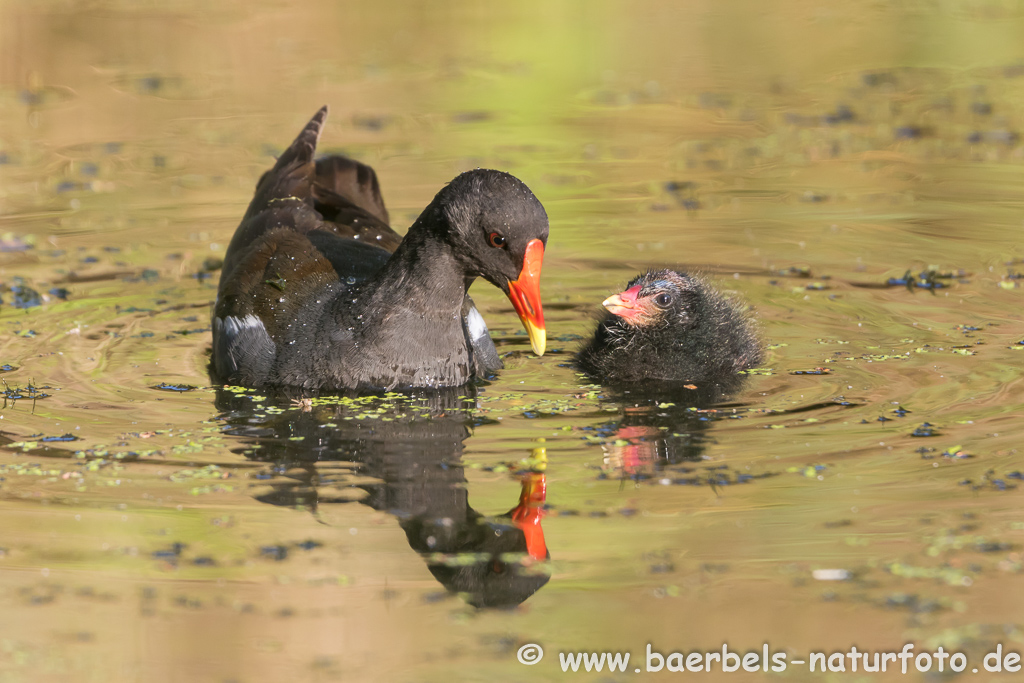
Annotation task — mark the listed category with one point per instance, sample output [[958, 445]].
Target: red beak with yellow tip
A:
[[524, 293]]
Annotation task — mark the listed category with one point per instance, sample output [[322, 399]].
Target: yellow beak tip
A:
[[538, 339]]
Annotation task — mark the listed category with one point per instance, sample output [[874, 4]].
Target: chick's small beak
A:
[[623, 304], [524, 293]]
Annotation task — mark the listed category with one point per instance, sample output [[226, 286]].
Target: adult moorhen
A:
[[312, 296], [670, 327]]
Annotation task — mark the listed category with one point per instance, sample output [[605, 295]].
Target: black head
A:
[[497, 229], [491, 217], [657, 299], [670, 326]]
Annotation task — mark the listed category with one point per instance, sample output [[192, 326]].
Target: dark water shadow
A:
[[400, 454], [660, 430]]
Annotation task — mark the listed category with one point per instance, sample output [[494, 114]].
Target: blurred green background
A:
[[798, 153]]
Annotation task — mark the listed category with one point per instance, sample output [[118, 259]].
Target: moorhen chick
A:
[[318, 292], [670, 327]]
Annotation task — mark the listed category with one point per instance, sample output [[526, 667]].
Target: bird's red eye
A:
[[496, 239]]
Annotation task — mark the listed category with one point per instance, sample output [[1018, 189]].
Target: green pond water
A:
[[863, 488]]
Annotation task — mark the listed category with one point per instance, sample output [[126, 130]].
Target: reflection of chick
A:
[[672, 327]]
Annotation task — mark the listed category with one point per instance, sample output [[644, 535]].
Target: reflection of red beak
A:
[[623, 304], [530, 511], [524, 293]]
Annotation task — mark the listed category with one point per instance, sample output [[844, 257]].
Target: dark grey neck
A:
[[422, 274], [405, 326]]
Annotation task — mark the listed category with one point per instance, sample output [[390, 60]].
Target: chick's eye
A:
[[663, 299], [496, 239]]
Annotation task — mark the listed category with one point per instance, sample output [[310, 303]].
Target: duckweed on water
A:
[[948, 575], [205, 472], [831, 182]]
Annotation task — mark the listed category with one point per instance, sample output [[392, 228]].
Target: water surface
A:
[[160, 528]]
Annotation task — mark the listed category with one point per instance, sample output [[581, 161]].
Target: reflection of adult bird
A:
[[670, 327], [507, 551], [415, 458], [311, 296]]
